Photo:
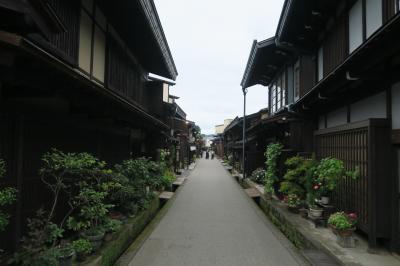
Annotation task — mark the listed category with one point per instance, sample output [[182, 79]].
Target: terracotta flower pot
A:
[[333, 228], [346, 232], [116, 215]]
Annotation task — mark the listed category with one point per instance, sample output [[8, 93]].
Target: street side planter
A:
[[111, 251]]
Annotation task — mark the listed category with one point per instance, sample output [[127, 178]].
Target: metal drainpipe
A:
[[244, 134]]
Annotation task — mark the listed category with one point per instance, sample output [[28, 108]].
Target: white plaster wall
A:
[[85, 40], [371, 107], [396, 106], [99, 54], [355, 26], [374, 15], [165, 92], [337, 117], [321, 122]]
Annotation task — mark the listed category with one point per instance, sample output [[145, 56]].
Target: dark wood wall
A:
[[335, 45], [23, 141], [307, 73]]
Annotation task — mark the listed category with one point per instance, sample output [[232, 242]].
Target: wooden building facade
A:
[[74, 75], [332, 73]]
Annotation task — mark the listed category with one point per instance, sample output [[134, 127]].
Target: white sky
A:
[[210, 41]]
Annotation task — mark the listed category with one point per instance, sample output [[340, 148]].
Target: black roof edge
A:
[[150, 10], [253, 53]]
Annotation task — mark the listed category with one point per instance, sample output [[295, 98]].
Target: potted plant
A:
[[343, 224], [82, 248], [66, 253], [91, 216], [294, 203], [110, 227], [258, 176], [327, 175]]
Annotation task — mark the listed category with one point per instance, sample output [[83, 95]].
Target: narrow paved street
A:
[[213, 222]]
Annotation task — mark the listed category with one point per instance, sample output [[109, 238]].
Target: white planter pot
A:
[[316, 212], [325, 200]]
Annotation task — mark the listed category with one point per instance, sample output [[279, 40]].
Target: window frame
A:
[[279, 93], [320, 63]]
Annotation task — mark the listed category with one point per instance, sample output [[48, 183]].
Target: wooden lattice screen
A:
[[352, 148], [365, 145]]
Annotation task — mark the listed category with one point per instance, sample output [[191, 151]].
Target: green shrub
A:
[[168, 178], [295, 179], [272, 154], [7, 196], [327, 175], [82, 246], [343, 221], [258, 176], [137, 178]]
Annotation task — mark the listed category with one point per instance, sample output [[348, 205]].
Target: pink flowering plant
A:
[[343, 221]]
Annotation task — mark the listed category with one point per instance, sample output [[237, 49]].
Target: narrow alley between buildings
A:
[[213, 222]]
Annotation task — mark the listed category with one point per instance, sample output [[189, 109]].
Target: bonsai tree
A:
[[71, 175], [7, 196], [295, 179], [92, 211], [272, 154]]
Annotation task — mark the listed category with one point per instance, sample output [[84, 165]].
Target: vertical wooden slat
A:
[[350, 147]]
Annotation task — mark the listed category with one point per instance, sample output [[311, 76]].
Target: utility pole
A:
[[244, 134]]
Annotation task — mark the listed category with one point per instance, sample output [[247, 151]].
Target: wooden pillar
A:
[[19, 165]]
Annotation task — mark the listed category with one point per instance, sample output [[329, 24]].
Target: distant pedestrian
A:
[[207, 155], [212, 155]]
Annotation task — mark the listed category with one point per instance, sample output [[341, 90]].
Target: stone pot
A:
[[96, 240], [66, 260], [325, 200], [316, 213]]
